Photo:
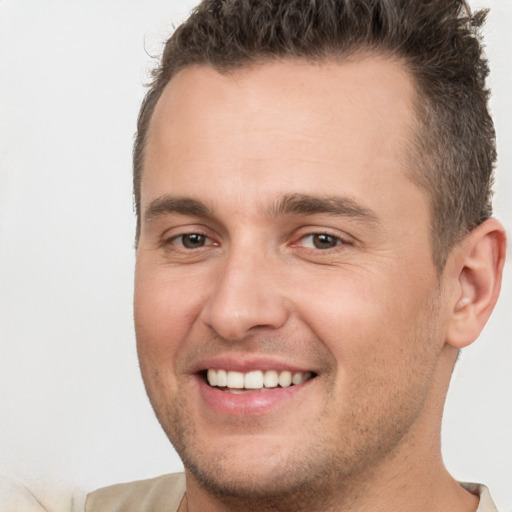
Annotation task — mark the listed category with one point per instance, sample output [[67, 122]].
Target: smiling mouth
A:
[[254, 381]]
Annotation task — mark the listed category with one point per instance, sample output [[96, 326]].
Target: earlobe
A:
[[478, 269]]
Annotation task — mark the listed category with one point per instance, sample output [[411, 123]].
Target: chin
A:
[[254, 481], [261, 470]]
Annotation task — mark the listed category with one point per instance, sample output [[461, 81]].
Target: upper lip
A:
[[245, 363]]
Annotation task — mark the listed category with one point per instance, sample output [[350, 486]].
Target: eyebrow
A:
[[304, 204], [290, 204], [168, 205]]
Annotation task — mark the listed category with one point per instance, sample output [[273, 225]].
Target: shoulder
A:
[[162, 494], [486, 504], [14, 496]]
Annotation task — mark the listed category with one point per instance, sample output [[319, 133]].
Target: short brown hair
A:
[[439, 42]]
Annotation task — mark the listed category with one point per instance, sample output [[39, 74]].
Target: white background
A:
[[73, 412]]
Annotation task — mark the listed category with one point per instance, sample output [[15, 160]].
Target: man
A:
[[315, 245]]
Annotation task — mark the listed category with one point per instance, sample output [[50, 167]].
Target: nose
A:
[[245, 297]]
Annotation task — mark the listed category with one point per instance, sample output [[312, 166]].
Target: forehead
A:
[[281, 127], [376, 89]]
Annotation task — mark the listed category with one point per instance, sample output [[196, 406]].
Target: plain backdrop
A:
[[73, 411]]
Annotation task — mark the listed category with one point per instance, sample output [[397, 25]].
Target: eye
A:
[[320, 241], [192, 240]]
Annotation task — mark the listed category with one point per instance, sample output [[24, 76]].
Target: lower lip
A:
[[249, 404]]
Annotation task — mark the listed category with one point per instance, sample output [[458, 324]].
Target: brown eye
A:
[[192, 240], [324, 241]]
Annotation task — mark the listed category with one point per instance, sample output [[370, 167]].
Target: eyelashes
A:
[[191, 241], [194, 241], [319, 241]]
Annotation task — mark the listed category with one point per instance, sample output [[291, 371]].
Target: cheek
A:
[[380, 336], [164, 310], [160, 329], [166, 301], [370, 318]]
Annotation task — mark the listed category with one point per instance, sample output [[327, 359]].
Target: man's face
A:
[[282, 237]]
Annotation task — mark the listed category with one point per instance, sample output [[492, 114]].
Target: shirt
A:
[[165, 493]]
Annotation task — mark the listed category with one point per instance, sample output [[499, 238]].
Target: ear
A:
[[477, 266]]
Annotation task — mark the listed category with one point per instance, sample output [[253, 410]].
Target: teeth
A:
[[222, 378], [285, 379], [297, 378], [257, 379], [271, 379], [253, 380], [235, 380], [212, 377]]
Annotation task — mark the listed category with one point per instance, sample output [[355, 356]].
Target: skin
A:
[[369, 314]]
